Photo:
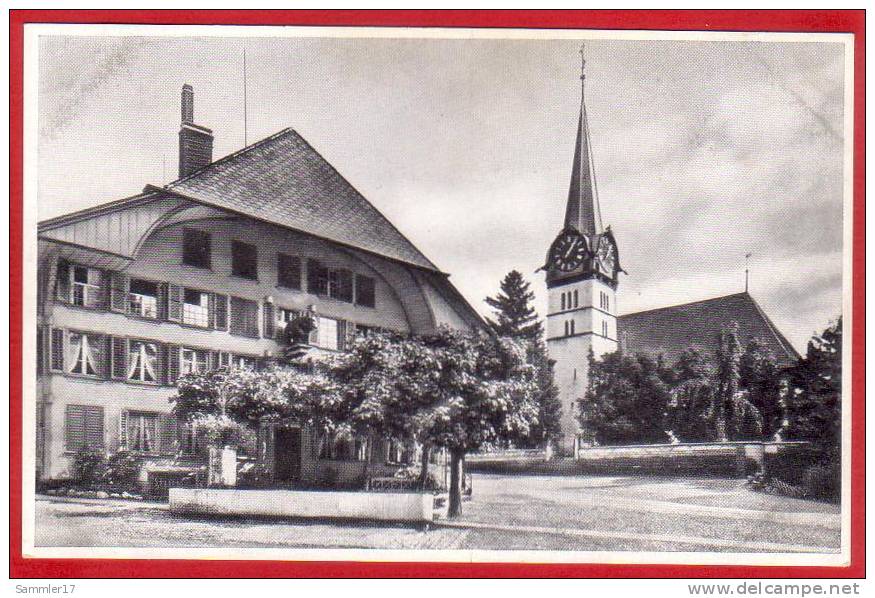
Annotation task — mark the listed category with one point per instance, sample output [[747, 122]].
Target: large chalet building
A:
[[203, 272]]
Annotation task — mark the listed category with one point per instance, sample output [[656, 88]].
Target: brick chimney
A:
[[195, 141]]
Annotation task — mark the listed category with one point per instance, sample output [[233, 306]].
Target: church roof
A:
[[581, 213], [669, 331], [282, 179]]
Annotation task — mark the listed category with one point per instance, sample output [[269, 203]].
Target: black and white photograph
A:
[[437, 295]]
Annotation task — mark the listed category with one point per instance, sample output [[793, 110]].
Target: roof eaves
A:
[[782, 340], [148, 194]]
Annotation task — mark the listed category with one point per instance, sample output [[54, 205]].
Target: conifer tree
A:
[[514, 314], [515, 317]]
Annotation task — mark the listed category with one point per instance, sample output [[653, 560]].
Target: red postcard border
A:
[[824, 21]]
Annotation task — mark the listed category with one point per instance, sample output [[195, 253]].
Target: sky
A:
[[704, 150]]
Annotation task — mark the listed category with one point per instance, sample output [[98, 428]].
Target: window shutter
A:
[[40, 350], [211, 310], [224, 359], [118, 292], [105, 358], [162, 301], [57, 350], [213, 360], [74, 428], [341, 335], [269, 312], [174, 302], [93, 427], [172, 364], [123, 431], [63, 283], [119, 357], [220, 307], [349, 339], [160, 363], [169, 442]]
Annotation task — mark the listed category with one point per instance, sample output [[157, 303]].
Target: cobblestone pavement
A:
[[506, 512]]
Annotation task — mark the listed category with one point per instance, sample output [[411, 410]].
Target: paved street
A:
[[507, 512]]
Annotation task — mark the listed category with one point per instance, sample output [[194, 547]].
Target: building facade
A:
[[205, 272]]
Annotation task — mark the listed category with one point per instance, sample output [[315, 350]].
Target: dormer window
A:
[[196, 248], [244, 260]]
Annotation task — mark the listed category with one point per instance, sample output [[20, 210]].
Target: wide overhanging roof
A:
[[282, 179]]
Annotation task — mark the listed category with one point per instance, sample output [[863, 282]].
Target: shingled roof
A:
[[282, 179], [671, 330]]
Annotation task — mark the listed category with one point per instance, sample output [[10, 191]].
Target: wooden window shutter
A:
[[349, 338], [213, 360], [57, 349], [105, 293], [94, 427], [118, 292], [174, 302], [341, 335], [172, 364], [105, 358], [40, 350], [211, 310], [123, 431], [169, 442], [269, 313], [74, 428], [119, 357], [63, 283], [220, 307], [162, 301]]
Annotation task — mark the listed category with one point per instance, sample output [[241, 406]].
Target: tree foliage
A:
[[814, 404], [733, 394], [626, 400]]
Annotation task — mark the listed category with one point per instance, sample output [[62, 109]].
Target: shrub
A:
[[122, 470], [89, 466], [433, 482], [823, 481]]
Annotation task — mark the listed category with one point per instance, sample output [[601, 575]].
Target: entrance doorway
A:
[[287, 454]]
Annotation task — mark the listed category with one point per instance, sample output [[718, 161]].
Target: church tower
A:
[[582, 268]]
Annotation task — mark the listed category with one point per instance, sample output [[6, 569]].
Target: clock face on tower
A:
[[606, 254], [568, 252]]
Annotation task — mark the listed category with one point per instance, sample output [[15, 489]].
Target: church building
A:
[[582, 275]]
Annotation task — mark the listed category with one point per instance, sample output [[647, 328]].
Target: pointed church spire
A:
[[583, 213]]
